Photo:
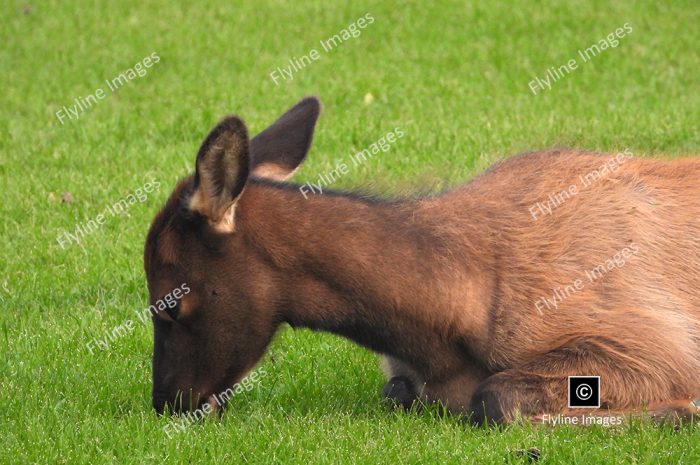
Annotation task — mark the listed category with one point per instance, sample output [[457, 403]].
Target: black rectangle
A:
[[584, 391]]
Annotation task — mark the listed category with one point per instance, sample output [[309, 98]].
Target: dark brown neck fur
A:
[[392, 276]]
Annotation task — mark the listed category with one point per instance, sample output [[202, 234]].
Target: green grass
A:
[[454, 77]]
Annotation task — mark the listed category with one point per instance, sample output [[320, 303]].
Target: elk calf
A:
[[484, 298]]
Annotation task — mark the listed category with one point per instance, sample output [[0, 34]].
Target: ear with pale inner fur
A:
[[222, 171], [277, 152]]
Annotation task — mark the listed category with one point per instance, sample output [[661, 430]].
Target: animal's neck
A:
[[397, 278]]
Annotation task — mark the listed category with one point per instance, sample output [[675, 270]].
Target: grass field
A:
[[454, 77]]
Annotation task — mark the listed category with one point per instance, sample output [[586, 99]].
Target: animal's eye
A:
[[173, 312]]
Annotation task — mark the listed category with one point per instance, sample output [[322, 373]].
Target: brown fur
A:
[[444, 285]]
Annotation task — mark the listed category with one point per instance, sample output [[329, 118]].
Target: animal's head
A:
[[207, 287]]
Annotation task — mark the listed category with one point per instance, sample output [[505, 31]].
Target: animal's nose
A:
[[177, 404], [159, 407], [160, 400]]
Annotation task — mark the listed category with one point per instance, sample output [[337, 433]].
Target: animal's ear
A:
[[222, 171], [277, 152]]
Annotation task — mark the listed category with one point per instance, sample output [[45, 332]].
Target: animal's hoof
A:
[[486, 408], [399, 391]]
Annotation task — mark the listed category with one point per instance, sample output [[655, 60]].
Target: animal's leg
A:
[[631, 382], [406, 386], [456, 392], [404, 383]]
